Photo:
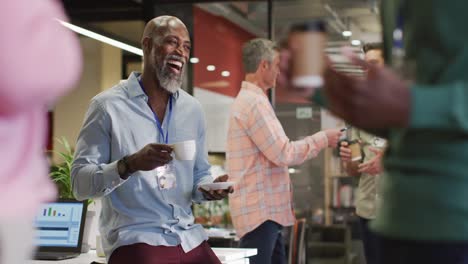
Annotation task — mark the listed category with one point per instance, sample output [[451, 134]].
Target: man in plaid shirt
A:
[[258, 156]]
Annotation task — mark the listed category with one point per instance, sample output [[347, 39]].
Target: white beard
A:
[[170, 85], [168, 80]]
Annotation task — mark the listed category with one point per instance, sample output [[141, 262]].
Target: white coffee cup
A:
[[185, 150]]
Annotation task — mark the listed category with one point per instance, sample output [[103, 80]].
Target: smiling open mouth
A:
[[175, 66]]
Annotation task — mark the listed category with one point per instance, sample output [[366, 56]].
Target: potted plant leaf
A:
[[61, 174]]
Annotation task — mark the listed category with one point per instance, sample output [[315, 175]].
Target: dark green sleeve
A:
[[437, 44], [442, 106]]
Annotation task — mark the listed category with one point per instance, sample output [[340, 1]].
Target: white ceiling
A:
[[359, 16]]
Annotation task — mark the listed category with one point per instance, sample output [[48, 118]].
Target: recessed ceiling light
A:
[[225, 73], [210, 67], [347, 33], [355, 42], [194, 60]]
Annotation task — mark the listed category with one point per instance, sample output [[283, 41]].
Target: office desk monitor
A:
[[60, 228]]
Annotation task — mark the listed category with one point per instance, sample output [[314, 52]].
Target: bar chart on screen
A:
[[58, 224], [55, 212], [52, 212]]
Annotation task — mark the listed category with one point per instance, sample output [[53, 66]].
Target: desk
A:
[[222, 237], [226, 255], [234, 255], [83, 258]]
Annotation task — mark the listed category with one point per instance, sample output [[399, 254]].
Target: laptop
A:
[[60, 228]]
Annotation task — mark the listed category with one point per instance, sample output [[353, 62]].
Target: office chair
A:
[[297, 245]]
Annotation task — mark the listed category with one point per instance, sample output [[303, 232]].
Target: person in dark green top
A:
[[424, 218]]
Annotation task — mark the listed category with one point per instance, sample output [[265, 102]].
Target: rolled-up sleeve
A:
[[265, 130]]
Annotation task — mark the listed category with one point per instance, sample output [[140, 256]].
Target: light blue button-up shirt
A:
[[119, 122]]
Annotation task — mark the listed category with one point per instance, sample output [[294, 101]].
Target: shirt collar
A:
[[252, 87], [134, 89]]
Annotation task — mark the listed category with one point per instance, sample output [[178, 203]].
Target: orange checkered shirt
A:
[[258, 155]]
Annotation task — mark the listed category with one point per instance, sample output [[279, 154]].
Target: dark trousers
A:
[[268, 241], [141, 253], [370, 241], [424, 252]]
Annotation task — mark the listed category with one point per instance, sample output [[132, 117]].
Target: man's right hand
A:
[[345, 152], [352, 168], [333, 136], [150, 157], [284, 79]]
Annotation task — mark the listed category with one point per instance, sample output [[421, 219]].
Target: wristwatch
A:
[[123, 168]]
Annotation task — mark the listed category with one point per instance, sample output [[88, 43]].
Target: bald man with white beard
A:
[[124, 156]]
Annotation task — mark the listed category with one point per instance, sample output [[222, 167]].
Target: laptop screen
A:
[[60, 224]]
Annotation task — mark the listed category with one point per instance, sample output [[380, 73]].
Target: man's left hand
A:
[[374, 165], [217, 194]]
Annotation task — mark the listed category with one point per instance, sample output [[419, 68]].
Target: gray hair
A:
[[256, 50]]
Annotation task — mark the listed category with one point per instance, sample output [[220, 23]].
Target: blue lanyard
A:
[[398, 47], [158, 123], [398, 33]]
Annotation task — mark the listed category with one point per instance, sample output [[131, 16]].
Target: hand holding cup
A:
[[150, 157]]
